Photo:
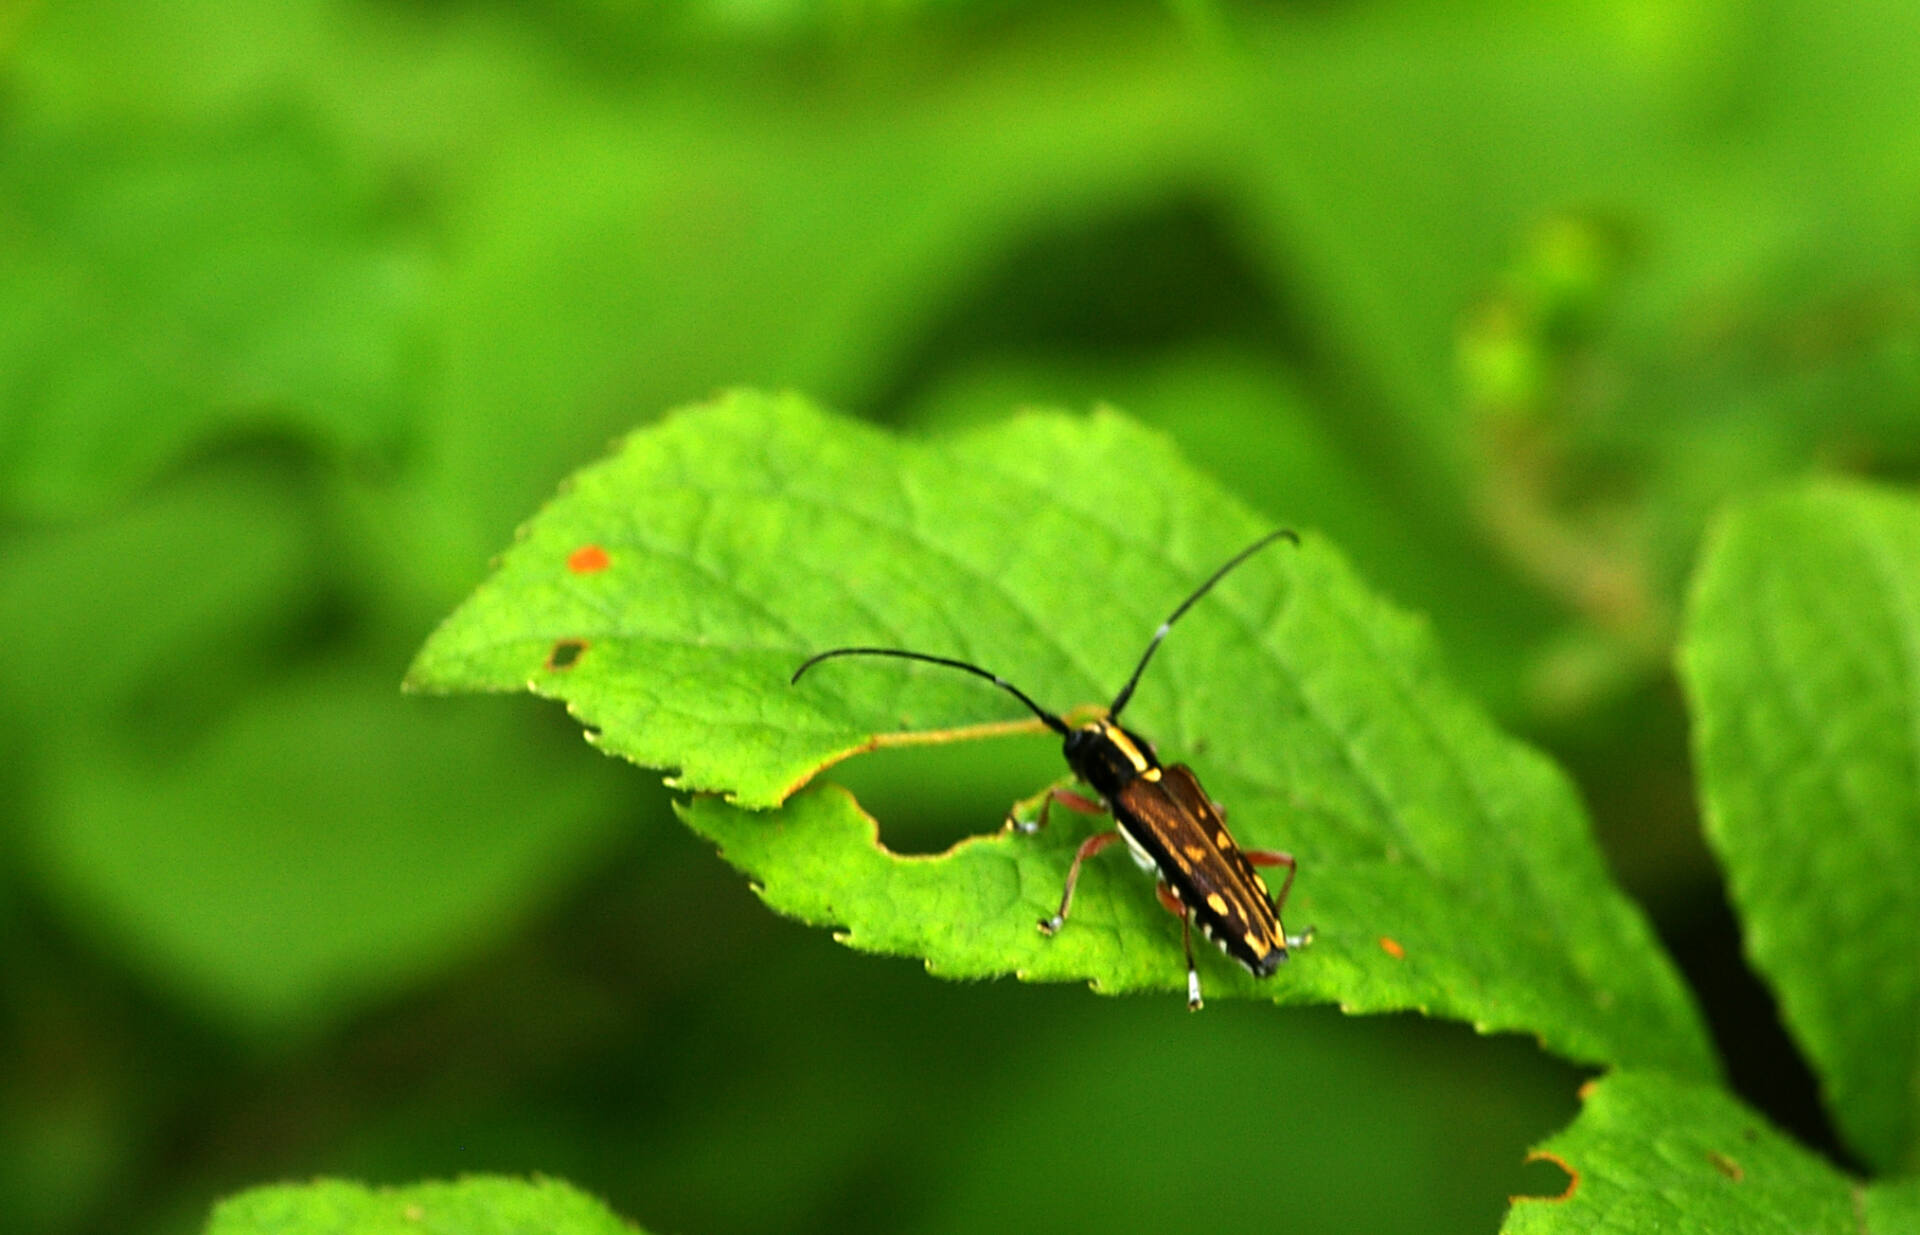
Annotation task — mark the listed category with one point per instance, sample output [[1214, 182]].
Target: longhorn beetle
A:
[[1169, 824]]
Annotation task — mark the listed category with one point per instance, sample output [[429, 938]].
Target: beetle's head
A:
[[1106, 756]]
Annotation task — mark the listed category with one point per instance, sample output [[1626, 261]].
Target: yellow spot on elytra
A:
[[1217, 903], [1195, 852], [1221, 839], [1151, 774], [1258, 944], [1112, 733]]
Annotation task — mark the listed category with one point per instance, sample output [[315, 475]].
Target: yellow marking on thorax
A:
[[1217, 903], [1112, 733], [1258, 944]]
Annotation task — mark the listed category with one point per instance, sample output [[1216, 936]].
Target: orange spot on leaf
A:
[[1566, 1194], [1391, 947], [566, 654], [587, 559], [1726, 1166]]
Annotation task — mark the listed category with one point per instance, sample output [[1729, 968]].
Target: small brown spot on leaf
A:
[[588, 559], [1391, 947], [566, 654], [1726, 1166]]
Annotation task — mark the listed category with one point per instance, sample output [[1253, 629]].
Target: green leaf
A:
[[1893, 1206], [477, 1205], [1251, 426], [1652, 1152], [670, 592], [233, 531], [161, 285], [271, 874], [272, 837], [1802, 663]]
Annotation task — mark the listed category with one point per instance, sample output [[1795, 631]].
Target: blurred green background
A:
[[303, 306]]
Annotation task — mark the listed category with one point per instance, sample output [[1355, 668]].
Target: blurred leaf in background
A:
[[303, 306], [1800, 663]]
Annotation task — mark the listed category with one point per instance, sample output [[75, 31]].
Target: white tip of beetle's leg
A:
[[1193, 990]]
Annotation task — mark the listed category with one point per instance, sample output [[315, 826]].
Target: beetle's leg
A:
[[1271, 857], [1172, 904], [1092, 845], [1193, 975], [1017, 824], [1046, 798]]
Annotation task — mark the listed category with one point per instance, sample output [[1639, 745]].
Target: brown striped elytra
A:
[[1169, 824]]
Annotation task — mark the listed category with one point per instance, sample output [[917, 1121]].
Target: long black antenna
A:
[[1126, 692], [1052, 722]]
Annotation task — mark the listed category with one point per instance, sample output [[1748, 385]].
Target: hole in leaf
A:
[[928, 797], [566, 654], [1548, 1178]]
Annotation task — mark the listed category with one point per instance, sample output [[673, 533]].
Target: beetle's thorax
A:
[[1106, 756]]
